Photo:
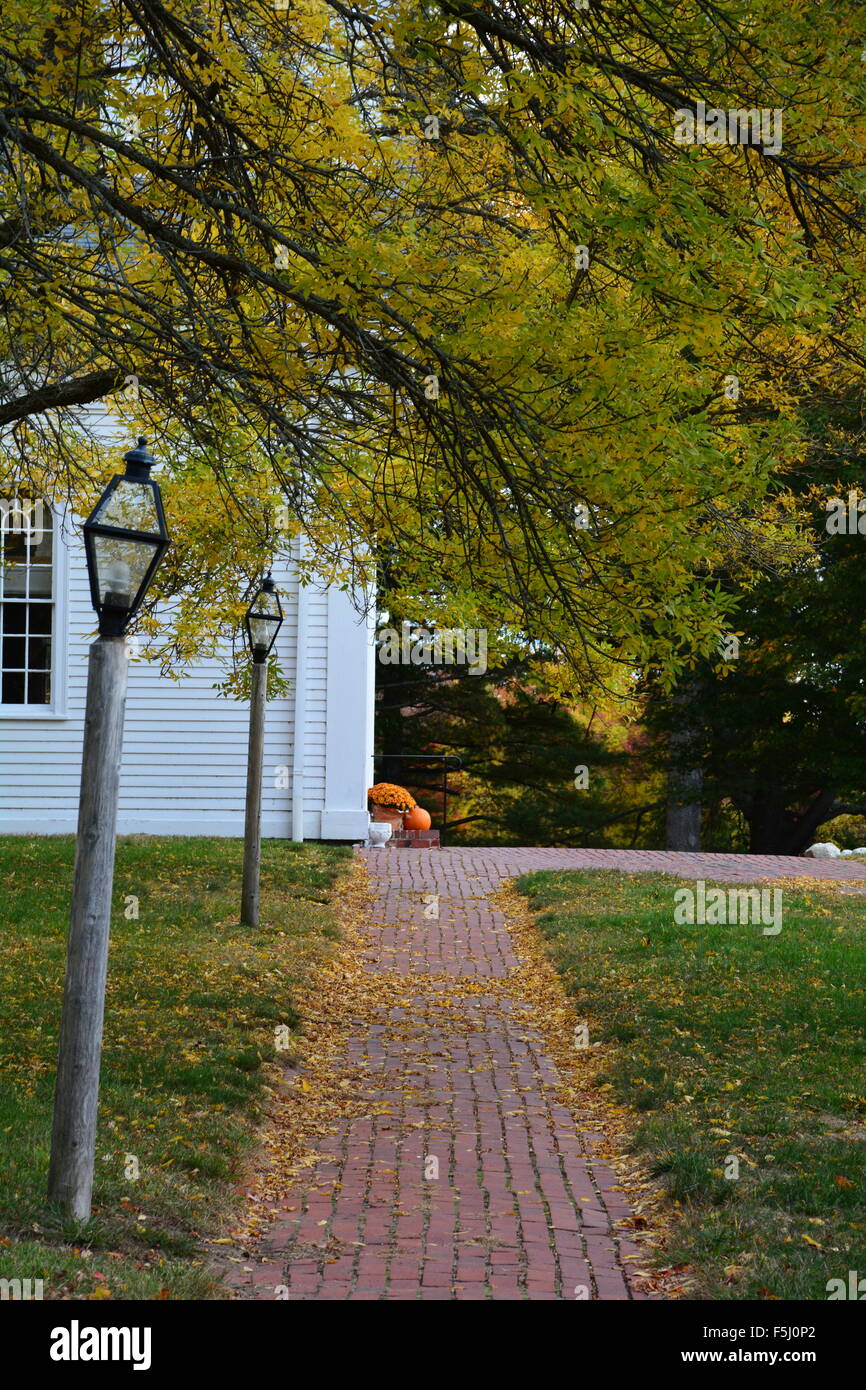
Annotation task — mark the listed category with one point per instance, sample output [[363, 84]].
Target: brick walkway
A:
[[467, 1179]]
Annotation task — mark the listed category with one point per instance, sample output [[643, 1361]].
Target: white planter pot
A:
[[378, 834]]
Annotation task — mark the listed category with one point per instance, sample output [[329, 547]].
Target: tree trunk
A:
[[685, 775], [775, 830], [684, 816]]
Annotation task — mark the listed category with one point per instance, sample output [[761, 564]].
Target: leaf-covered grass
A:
[[192, 1006], [730, 1044]]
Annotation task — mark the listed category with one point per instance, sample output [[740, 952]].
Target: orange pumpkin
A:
[[417, 819]]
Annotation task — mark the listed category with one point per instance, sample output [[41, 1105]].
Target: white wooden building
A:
[[185, 747]]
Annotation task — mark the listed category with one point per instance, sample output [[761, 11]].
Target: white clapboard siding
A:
[[185, 748]]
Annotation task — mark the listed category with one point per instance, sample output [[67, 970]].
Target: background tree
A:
[[537, 764], [782, 728]]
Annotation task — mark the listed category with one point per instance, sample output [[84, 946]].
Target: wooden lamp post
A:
[[262, 622], [125, 539]]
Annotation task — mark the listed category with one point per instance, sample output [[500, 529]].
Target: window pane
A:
[[38, 688], [41, 543], [13, 653], [15, 581], [40, 617], [13, 688], [14, 544], [40, 581], [39, 649], [15, 617]]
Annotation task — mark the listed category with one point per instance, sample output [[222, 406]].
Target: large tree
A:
[[438, 276]]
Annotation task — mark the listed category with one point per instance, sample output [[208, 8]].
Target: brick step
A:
[[416, 839]]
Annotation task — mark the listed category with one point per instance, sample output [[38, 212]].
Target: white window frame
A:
[[57, 709]]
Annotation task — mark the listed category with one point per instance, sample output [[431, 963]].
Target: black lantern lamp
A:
[[263, 620], [125, 538]]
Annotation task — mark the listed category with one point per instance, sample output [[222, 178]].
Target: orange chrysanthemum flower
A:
[[387, 794]]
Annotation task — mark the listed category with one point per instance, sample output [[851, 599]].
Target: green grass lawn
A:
[[727, 1042], [192, 1007]]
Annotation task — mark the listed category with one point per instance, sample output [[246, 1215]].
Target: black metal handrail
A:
[[450, 763]]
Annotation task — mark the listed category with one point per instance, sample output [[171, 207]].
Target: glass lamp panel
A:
[[264, 618], [261, 630], [267, 605], [121, 566], [129, 505]]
